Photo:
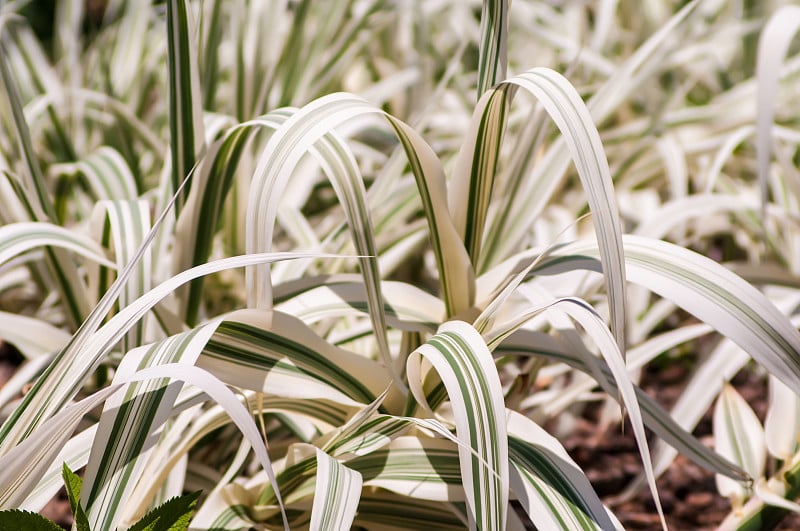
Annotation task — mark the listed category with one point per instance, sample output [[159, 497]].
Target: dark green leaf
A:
[[173, 515], [74, 483], [16, 520]]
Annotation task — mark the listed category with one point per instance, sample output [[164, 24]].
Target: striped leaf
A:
[[228, 400], [117, 462], [284, 151], [464, 364], [124, 438], [565, 107], [492, 60], [738, 435], [108, 175], [34, 179], [707, 290], [129, 52], [699, 394], [59, 264], [653, 414], [281, 155], [211, 31], [336, 494], [312, 299], [75, 453], [19, 238], [384, 511], [32, 337], [419, 467], [66, 375], [477, 160], [551, 488], [23, 466], [284, 357], [584, 314], [198, 221], [535, 189], [178, 441], [185, 99], [122, 227], [782, 424]]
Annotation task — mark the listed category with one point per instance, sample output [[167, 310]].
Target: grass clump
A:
[[336, 265]]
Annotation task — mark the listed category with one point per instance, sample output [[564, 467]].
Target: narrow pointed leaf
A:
[[550, 486], [492, 61], [336, 494], [706, 289], [738, 435], [185, 100], [464, 363], [773, 44], [782, 425], [73, 483]]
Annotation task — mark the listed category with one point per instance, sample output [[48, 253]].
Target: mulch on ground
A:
[[688, 492]]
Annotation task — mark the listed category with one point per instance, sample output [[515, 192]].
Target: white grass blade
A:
[[314, 299], [18, 238], [185, 100], [393, 512], [549, 172], [128, 222], [478, 160], [76, 305], [119, 454], [590, 321], [414, 466], [567, 109], [283, 152], [655, 417], [492, 60], [108, 175], [773, 493], [775, 39], [62, 380], [464, 364], [284, 357], [39, 405], [32, 337], [198, 221], [316, 120], [738, 435], [228, 400], [75, 453], [706, 289], [23, 376], [551, 488], [24, 465], [33, 178], [703, 387], [782, 424], [336, 495]]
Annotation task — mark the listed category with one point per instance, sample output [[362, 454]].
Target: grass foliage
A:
[[335, 264]]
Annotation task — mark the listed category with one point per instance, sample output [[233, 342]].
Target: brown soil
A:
[[688, 492]]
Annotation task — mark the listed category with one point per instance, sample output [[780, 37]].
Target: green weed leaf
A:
[[74, 483], [16, 519], [173, 515]]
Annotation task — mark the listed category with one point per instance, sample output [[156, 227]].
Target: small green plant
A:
[[173, 515]]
